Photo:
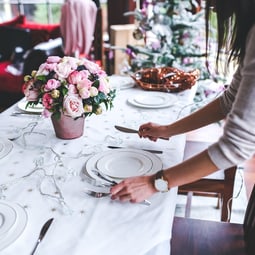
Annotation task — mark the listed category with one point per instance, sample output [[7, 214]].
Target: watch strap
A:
[[159, 175]]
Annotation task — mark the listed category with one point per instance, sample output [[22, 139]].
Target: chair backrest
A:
[[39, 54], [12, 37], [249, 224], [97, 44]]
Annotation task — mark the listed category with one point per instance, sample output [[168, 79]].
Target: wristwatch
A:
[[160, 183]]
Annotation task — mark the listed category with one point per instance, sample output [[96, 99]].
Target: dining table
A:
[[44, 177]]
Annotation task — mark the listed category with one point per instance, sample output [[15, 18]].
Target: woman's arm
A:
[[137, 189], [210, 113], [206, 115], [190, 170]]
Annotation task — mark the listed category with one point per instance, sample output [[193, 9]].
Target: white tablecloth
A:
[[86, 225]]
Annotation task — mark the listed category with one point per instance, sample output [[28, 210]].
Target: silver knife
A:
[[152, 151], [42, 234], [102, 176], [130, 130], [25, 113]]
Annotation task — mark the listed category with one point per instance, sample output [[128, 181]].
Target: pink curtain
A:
[[77, 25]]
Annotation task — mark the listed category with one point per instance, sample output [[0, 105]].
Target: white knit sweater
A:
[[238, 103]]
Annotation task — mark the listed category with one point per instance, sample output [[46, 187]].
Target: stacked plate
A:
[[122, 163], [153, 100], [121, 82], [5, 147], [13, 220], [22, 105]]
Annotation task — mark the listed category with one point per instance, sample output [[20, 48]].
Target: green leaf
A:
[[96, 84], [42, 78]]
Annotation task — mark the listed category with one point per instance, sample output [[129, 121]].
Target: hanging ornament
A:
[[195, 6], [138, 33]]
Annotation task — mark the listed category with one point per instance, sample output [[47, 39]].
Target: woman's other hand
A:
[[152, 131]]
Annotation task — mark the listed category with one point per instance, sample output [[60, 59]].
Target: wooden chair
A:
[[220, 184], [96, 52], [200, 237]]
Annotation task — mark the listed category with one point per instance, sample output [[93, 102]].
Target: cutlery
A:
[[42, 234], [25, 114], [98, 194], [96, 183], [102, 176], [152, 151], [130, 130]]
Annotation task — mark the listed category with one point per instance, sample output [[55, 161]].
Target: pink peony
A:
[[104, 86], [43, 70], [93, 67], [46, 68], [47, 101], [74, 77], [30, 92], [72, 89], [52, 84], [53, 59], [84, 83], [84, 88], [63, 70], [73, 106], [84, 74]]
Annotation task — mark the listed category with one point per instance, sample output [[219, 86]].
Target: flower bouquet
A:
[[69, 86]]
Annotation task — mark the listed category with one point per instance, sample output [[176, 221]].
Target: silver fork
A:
[[102, 176], [99, 194], [96, 194]]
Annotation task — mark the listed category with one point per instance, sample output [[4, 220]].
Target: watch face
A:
[[161, 185]]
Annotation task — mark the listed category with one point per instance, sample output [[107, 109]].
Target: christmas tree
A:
[[173, 35]]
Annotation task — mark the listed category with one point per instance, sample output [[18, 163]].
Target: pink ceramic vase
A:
[[68, 128]]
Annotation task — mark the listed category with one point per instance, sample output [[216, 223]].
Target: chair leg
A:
[[226, 207], [228, 193], [218, 202], [188, 204]]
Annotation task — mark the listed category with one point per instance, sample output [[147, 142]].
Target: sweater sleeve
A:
[[237, 143]]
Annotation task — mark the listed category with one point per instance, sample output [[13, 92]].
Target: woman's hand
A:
[[152, 131], [135, 189]]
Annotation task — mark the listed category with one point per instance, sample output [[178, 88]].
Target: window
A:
[[41, 11]]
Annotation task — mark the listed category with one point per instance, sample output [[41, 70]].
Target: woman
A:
[[236, 35]]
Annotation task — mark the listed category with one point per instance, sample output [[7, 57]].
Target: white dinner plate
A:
[[35, 109], [124, 164], [91, 163], [7, 218], [121, 82], [153, 100], [17, 229], [5, 147]]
